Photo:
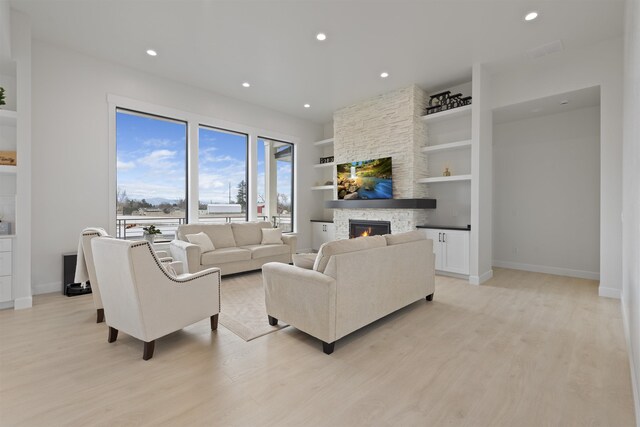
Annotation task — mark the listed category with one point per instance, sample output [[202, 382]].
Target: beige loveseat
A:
[[237, 247], [353, 283]]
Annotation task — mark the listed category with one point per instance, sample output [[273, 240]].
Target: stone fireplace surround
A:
[[387, 125]]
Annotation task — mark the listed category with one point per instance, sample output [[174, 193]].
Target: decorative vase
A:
[[149, 237]]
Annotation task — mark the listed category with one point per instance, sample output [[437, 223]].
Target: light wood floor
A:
[[524, 349]]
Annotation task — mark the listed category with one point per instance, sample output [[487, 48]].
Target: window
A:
[[222, 179], [275, 182], [151, 156]]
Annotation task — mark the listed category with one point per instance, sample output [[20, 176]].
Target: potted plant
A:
[[150, 233]]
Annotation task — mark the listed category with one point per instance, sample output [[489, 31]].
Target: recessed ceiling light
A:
[[384, 74], [531, 16], [152, 52], [564, 102], [307, 106], [321, 36], [246, 84]]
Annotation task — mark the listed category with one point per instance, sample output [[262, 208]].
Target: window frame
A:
[[294, 222], [194, 120]]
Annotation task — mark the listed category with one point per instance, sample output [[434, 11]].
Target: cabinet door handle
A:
[[444, 237], [439, 237]]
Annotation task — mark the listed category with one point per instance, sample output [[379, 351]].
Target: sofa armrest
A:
[[292, 241], [186, 252], [306, 299]]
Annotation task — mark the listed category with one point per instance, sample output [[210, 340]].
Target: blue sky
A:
[[151, 160], [151, 157]]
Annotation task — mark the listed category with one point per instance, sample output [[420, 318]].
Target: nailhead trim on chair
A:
[[159, 264]]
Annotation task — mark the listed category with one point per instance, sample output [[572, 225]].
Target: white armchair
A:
[[143, 299], [86, 270]]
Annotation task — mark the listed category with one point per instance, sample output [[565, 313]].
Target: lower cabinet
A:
[[6, 269], [451, 248], [322, 232]]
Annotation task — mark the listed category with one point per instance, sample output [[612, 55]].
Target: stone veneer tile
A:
[[387, 125]]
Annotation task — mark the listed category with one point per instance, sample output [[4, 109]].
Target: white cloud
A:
[[123, 166], [157, 142], [159, 159]]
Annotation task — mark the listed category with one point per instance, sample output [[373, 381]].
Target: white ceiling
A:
[[216, 45], [582, 98]]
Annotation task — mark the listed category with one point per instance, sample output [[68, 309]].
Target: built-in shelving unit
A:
[[445, 179], [325, 165], [448, 114], [447, 147], [328, 141], [10, 170]]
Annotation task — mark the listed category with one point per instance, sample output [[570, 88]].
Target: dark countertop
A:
[[322, 220], [444, 227]]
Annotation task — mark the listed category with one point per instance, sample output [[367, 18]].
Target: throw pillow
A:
[[202, 240], [271, 236]]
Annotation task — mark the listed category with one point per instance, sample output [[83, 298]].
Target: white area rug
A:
[[242, 308]]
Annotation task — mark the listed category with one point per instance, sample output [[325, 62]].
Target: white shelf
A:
[[444, 179], [7, 169], [448, 114], [322, 187], [324, 165], [447, 147], [323, 142], [8, 118]]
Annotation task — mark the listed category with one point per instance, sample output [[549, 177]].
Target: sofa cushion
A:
[[263, 251], [248, 233], [221, 235], [271, 236], [327, 250], [224, 255], [409, 236], [202, 240]]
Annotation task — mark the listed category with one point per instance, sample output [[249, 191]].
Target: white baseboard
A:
[[559, 271], [6, 304], [478, 280], [606, 292], [21, 303], [46, 288], [634, 368]]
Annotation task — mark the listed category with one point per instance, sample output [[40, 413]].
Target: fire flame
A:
[[366, 232]]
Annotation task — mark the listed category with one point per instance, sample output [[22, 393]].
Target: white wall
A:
[[70, 144], [631, 194], [546, 197], [598, 65]]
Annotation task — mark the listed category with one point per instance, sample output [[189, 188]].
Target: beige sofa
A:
[[352, 283], [237, 247]]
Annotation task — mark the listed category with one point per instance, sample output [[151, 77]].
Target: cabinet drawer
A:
[[5, 288], [5, 245], [5, 264]]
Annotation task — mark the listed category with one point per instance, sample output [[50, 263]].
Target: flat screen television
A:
[[368, 179]]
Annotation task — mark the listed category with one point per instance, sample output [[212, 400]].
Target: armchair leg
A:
[[273, 321], [328, 347], [148, 350], [214, 322], [100, 315], [113, 335]]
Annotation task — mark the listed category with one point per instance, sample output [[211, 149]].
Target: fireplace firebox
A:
[[361, 227]]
